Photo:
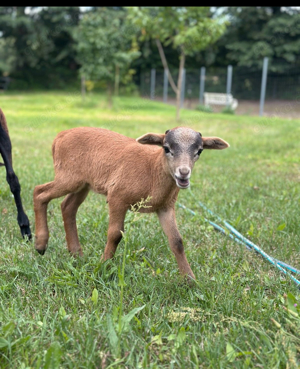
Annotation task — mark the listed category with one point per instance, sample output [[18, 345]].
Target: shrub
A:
[[227, 110], [204, 108]]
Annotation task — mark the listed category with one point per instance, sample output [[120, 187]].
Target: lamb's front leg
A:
[[168, 222]]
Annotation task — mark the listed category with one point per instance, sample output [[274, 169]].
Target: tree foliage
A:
[[256, 32], [38, 47], [186, 29], [36, 44], [192, 28], [105, 45]]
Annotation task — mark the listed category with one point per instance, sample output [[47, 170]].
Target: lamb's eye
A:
[[199, 152], [167, 150]]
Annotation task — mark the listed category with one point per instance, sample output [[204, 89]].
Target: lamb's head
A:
[[182, 148]]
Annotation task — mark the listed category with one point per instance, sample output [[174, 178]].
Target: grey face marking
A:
[[182, 148], [183, 140]]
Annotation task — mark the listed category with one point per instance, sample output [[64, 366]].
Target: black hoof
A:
[[41, 252], [26, 232]]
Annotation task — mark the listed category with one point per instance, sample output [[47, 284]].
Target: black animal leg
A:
[[12, 179]]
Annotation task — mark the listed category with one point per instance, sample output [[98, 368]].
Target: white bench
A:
[[220, 99]]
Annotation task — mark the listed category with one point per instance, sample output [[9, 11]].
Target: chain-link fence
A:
[[245, 85], [281, 90]]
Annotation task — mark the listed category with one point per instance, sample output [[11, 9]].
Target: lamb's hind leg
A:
[[42, 195], [117, 214], [69, 209]]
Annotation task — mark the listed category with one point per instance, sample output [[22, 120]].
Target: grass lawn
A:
[[61, 312]]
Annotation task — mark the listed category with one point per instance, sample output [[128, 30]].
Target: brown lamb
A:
[[125, 170]]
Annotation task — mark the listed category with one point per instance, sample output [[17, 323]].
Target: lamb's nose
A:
[[184, 171]]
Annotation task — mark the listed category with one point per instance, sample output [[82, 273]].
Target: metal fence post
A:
[[263, 86], [202, 83], [229, 83], [182, 88], [165, 85], [152, 84]]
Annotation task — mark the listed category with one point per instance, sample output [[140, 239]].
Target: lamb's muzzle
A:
[[125, 171]]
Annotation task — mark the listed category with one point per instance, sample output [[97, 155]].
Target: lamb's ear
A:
[[214, 143], [151, 139]]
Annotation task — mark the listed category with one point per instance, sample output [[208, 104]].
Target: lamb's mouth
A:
[[182, 183]]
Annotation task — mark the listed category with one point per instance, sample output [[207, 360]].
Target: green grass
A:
[[60, 312]]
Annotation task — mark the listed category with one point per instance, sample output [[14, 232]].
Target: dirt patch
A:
[[279, 108]]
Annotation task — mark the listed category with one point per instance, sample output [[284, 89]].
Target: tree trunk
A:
[[165, 64], [117, 80], [178, 105], [179, 83]]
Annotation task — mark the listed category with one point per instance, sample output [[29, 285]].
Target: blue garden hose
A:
[[243, 240], [248, 242]]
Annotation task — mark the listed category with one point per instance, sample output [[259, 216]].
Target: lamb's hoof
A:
[[190, 281], [76, 254], [41, 243]]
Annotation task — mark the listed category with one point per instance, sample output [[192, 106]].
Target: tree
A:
[[105, 47], [256, 32], [187, 29], [37, 45]]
